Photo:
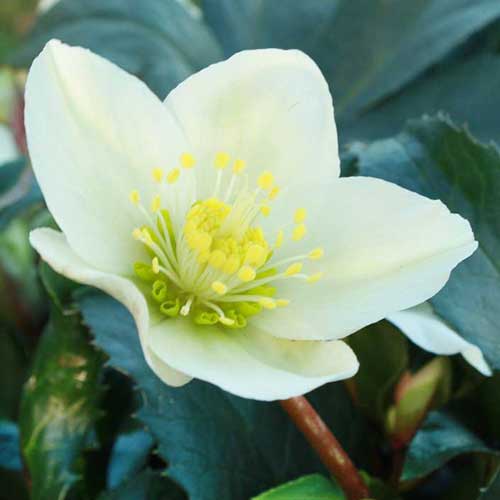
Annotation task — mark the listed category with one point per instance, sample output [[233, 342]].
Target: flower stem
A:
[[326, 446]]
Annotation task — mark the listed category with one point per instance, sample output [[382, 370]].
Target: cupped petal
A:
[[250, 362], [55, 250], [271, 108], [423, 327], [386, 249], [94, 134]]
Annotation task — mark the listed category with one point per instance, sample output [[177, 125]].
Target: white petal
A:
[[423, 327], [8, 148], [94, 134], [271, 108], [386, 249], [250, 363], [54, 249]]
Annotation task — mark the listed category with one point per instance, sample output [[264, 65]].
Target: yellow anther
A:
[[239, 166], [157, 174], [155, 203], [173, 175], [274, 192], [187, 160], [255, 256], [279, 238], [134, 197], [221, 160], [316, 254], [146, 237], [219, 287], [265, 180], [299, 232], [267, 303], [246, 273], [293, 269], [265, 210], [137, 234], [314, 277], [282, 302], [231, 265], [202, 242], [300, 215], [155, 265], [203, 257], [217, 259]]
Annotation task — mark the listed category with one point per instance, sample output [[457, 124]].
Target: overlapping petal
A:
[[95, 133], [251, 363], [422, 326], [271, 108], [387, 248], [55, 250]]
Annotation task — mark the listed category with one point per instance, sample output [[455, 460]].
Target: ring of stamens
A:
[[217, 266]]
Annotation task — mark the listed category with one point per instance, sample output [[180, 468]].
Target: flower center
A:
[[213, 262]]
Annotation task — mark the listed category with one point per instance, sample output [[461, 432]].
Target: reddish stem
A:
[[326, 446]]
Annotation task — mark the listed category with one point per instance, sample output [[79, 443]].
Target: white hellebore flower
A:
[[218, 219]]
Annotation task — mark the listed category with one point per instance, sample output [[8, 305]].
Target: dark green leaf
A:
[[440, 439], [10, 457], [492, 491], [58, 287], [464, 88], [59, 407], [438, 160], [313, 487], [379, 368], [218, 445], [362, 46], [158, 41], [147, 485], [128, 456], [13, 365]]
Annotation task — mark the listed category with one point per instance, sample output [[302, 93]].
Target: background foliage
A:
[[81, 415]]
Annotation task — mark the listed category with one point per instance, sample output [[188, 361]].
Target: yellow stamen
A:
[[300, 215], [155, 265], [293, 269], [282, 302], [274, 192], [314, 277], [279, 238], [219, 287], [226, 321], [137, 234], [266, 180], [316, 254], [134, 197], [217, 259], [155, 203], [187, 160], [231, 265], [173, 175], [255, 256], [221, 160], [267, 303], [246, 273], [157, 174], [265, 210], [239, 166], [299, 232]]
